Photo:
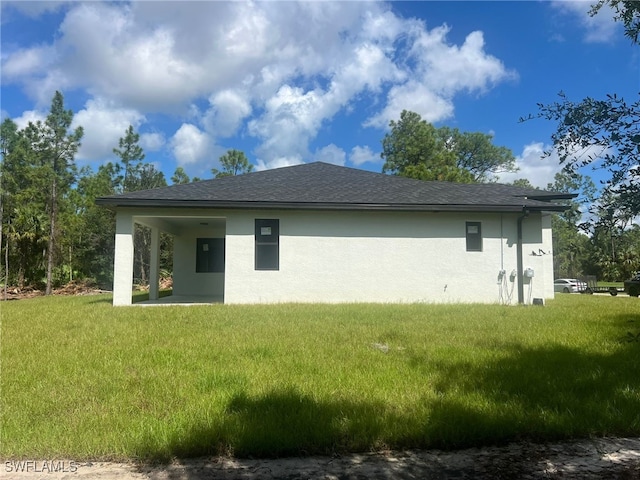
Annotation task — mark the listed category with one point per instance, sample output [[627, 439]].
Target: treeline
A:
[[606, 245], [51, 231]]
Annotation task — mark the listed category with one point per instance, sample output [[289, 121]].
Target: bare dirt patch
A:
[[71, 288]]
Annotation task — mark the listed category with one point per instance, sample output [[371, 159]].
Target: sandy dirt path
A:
[[602, 458]]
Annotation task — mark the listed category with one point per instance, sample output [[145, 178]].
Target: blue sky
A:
[[291, 82]]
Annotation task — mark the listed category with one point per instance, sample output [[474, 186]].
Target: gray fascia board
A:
[[553, 196], [323, 206]]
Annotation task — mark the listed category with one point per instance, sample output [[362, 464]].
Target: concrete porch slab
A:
[[186, 300]]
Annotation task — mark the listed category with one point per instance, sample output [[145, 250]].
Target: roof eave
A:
[[114, 203], [550, 196]]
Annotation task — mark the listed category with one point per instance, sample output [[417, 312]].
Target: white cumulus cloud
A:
[[599, 28], [331, 154], [274, 71], [104, 123], [360, 155], [228, 109], [152, 142], [278, 162], [191, 145], [442, 70], [534, 166], [27, 116]]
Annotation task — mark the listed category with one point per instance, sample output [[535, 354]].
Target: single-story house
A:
[[323, 233]]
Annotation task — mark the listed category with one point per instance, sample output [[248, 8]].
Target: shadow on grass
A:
[[537, 394], [282, 423], [102, 298], [541, 394]]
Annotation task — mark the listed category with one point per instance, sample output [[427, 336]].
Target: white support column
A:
[[123, 260], [154, 266]]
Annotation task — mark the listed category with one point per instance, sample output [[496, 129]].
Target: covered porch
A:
[[198, 257]]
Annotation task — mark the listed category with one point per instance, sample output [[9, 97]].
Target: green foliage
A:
[[627, 12], [96, 234], [234, 162], [575, 183], [180, 177], [275, 380], [131, 156], [38, 172], [45, 197], [571, 245], [137, 175], [608, 246], [476, 153], [605, 133], [615, 249], [416, 149], [522, 182], [413, 149]]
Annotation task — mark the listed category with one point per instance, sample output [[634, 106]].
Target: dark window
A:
[[474, 237], [267, 244], [209, 255]]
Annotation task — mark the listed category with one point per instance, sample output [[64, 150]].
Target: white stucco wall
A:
[[186, 281], [123, 260], [382, 257], [538, 255], [353, 257]]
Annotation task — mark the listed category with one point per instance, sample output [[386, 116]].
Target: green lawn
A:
[[83, 380]]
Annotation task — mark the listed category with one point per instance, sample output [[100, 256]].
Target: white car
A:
[[569, 285]]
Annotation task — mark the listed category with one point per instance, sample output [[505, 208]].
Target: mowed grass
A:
[[83, 380]]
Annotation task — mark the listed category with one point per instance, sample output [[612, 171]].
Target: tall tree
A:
[[414, 148], [614, 253], [234, 162], [131, 156], [476, 153], [8, 139], [138, 175], [56, 148], [95, 249], [180, 177], [8, 136]]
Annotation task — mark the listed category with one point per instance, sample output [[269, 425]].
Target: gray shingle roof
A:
[[325, 186]]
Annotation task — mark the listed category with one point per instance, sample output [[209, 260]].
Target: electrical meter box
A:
[[528, 273]]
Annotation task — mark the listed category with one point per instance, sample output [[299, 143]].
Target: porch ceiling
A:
[[176, 224]]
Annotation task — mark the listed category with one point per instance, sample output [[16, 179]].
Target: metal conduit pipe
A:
[[520, 267]]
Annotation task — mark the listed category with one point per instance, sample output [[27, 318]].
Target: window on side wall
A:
[[267, 244], [209, 255], [474, 236]]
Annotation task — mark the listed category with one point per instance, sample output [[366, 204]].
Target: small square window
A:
[[474, 236]]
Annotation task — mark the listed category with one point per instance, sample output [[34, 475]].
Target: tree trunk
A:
[[1, 216], [6, 264], [51, 245]]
